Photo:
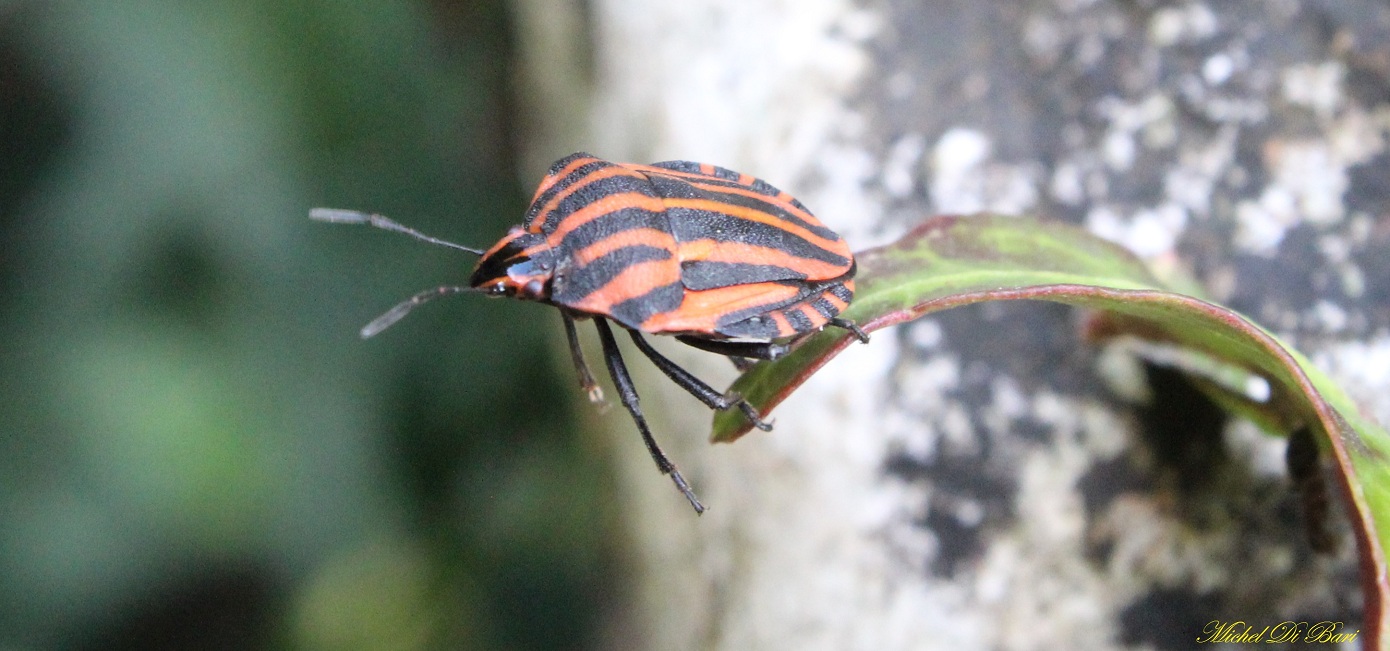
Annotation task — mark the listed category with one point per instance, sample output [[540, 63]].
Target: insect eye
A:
[[498, 289]]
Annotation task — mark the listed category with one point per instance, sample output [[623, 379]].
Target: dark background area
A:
[[196, 450]]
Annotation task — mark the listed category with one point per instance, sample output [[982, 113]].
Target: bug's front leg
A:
[[852, 327], [628, 394], [696, 387], [586, 379]]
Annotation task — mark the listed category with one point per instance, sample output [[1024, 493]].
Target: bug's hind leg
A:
[[745, 349], [628, 394], [696, 387], [852, 327]]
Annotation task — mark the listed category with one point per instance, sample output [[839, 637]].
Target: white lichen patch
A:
[[964, 180], [1150, 544], [1198, 171], [1150, 233], [1327, 317], [1309, 177], [925, 333], [899, 176], [1008, 400], [1356, 136], [1067, 185], [930, 384], [1123, 373], [1308, 185], [1316, 86], [1312, 175], [958, 153], [1218, 68], [1263, 451], [1030, 604], [1149, 119], [1362, 368], [845, 172], [1185, 23]]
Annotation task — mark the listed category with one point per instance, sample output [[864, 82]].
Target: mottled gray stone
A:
[[981, 478]]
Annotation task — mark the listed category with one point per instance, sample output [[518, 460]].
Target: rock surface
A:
[[981, 478]]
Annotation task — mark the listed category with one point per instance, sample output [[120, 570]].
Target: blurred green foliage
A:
[[196, 451]]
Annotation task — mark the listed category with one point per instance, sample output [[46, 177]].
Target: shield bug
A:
[[720, 260]]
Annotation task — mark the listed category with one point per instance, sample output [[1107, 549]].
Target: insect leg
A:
[[696, 387], [749, 349], [628, 394], [1309, 484], [586, 379], [852, 327]]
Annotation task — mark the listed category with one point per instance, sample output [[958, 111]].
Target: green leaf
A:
[[952, 261]]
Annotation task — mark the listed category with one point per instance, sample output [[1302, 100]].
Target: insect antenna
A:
[[341, 216], [404, 307]]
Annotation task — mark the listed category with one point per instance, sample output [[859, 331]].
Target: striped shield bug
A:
[[722, 261]]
